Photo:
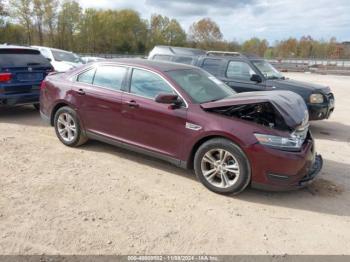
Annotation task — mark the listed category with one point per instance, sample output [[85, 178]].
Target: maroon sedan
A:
[[186, 116]]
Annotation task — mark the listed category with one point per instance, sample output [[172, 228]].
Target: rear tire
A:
[[68, 128], [222, 166]]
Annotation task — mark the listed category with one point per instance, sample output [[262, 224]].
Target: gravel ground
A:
[[99, 199]]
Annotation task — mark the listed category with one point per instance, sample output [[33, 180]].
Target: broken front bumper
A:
[[278, 170], [314, 171], [281, 182]]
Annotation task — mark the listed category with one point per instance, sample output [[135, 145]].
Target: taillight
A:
[[5, 77]]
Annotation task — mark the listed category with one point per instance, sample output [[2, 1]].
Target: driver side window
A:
[[148, 84], [239, 70]]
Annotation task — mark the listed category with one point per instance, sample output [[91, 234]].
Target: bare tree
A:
[[38, 12], [2, 9], [205, 33], [50, 18], [22, 10], [68, 22]]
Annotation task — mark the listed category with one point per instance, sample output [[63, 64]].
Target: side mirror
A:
[[171, 99], [256, 78], [167, 98]]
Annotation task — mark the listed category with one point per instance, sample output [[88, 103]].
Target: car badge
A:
[[30, 69]]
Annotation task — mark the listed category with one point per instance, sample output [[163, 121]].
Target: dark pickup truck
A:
[[22, 70], [246, 73]]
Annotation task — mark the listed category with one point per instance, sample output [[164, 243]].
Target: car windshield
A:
[[66, 56], [268, 70], [201, 86]]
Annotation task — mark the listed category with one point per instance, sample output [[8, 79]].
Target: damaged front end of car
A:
[[280, 110], [284, 136]]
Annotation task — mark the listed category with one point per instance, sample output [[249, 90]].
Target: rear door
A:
[[149, 124], [97, 94], [22, 70], [237, 74]]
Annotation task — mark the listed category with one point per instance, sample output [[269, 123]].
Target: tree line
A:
[[66, 25]]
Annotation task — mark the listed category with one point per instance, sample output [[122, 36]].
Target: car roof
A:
[[161, 66], [56, 49], [60, 50], [196, 52], [16, 47], [175, 50]]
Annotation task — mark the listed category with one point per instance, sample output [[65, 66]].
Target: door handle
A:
[[81, 91], [132, 104]]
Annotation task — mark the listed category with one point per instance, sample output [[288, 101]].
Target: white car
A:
[[61, 60], [88, 59]]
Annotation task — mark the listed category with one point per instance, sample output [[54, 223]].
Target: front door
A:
[[238, 76], [149, 124]]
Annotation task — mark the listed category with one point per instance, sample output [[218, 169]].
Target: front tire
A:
[[222, 166], [68, 128]]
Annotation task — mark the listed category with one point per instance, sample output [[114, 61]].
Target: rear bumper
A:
[[20, 99]]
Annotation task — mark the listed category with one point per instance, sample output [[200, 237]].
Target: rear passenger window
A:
[[110, 77], [212, 65], [148, 84], [239, 70], [87, 76]]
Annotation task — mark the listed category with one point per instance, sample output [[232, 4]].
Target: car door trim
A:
[[140, 150]]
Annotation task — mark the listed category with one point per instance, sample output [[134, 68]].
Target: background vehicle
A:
[[186, 116], [249, 73], [61, 60], [22, 70], [89, 59]]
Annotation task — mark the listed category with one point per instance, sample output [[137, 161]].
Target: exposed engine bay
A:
[[260, 113]]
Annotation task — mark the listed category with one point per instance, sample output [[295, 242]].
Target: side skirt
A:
[[174, 161]]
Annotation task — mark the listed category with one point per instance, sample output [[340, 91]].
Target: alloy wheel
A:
[[66, 126], [220, 168]]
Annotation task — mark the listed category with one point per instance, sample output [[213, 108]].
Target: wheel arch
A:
[[190, 162], [204, 139], [56, 107]]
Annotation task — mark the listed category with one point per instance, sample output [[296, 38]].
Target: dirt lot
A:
[[99, 199]]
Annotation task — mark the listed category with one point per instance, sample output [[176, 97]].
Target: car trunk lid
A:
[[27, 68]]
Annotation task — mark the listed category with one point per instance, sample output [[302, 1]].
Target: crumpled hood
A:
[[290, 105]]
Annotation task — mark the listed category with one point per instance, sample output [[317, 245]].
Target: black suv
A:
[[246, 73], [22, 70]]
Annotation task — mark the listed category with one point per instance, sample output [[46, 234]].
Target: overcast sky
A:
[[243, 19]]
